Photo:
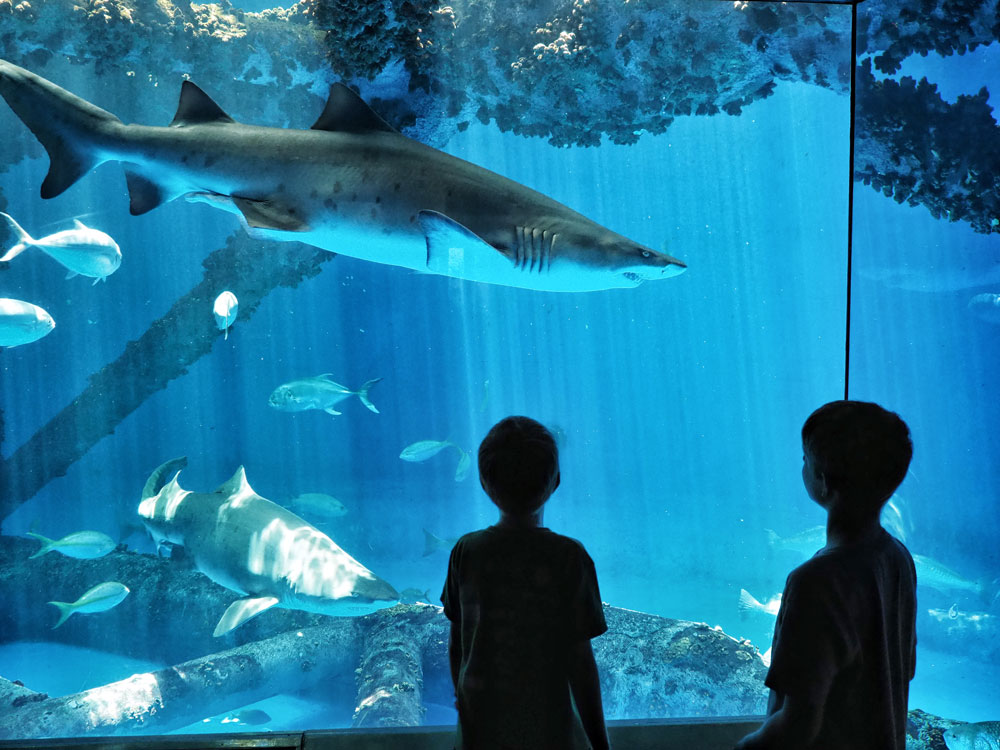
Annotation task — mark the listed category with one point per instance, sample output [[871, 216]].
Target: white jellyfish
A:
[[225, 308]]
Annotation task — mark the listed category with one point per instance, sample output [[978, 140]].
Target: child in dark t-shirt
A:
[[523, 603], [844, 648]]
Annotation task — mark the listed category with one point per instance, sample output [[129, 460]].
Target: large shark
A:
[[351, 184], [255, 547]]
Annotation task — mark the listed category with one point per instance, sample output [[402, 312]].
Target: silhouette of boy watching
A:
[[523, 603], [844, 648]]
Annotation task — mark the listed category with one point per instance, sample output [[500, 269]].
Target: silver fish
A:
[[318, 505], [225, 309], [748, 603], [319, 392], [100, 598], [425, 449], [986, 306], [81, 250], [22, 322], [351, 184], [83, 545], [940, 577], [807, 542], [980, 735]]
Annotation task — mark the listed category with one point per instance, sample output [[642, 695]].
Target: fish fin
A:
[[77, 224], [155, 482], [267, 214], [46, 544], [334, 412], [432, 543], [747, 602], [24, 240], [65, 610], [98, 279], [195, 107], [63, 123], [462, 469], [236, 484], [144, 195], [71, 274], [454, 250], [242, 610], [363, 394], [346, 112], [226, 337]]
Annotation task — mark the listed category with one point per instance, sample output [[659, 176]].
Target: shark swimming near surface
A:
[[255, 547], [351, 184]]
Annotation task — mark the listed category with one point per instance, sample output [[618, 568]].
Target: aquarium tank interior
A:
[[270, 273]]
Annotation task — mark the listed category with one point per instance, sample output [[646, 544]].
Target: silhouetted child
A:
[[523, 603], [844, 648]]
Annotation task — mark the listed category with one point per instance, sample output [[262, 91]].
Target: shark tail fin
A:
[[432, 543], [46, 544], [363, 394], [24, 240], [65, 610], [67, 126]]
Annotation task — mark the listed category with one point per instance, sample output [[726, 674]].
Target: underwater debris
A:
[[165, 351]]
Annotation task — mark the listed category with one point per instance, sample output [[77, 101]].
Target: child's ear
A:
[[558, 479]]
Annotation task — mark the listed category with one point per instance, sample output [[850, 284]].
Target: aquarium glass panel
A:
[[234, 468], [925, 319]]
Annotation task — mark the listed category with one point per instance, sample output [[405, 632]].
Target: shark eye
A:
[[645, 253]]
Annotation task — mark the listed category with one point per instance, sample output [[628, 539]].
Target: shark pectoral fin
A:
[[333, 411], [71, 274], [455, 250], [144, 195], [269, 215], [242, 610]]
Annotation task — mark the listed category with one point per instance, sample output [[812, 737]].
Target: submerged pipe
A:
[[250, 268]]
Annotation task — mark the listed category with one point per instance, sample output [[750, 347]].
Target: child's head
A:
[[519, 465], [858, 449]]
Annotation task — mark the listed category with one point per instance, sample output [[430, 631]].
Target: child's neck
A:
[[842, 531], [521, 521]]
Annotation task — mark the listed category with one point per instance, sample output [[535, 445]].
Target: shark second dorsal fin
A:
[[236, 483], [196, 107], [346, 112]]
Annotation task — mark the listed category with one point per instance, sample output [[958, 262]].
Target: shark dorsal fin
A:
[[237, 483], [197, 107], [346, 112]]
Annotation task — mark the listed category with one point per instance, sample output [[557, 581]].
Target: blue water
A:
[[678, 403]]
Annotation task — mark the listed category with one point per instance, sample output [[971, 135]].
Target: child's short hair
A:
[[860, 449], [518, 462]]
